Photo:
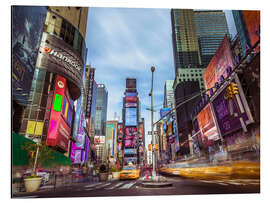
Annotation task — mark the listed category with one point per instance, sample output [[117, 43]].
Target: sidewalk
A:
[[61, 182]]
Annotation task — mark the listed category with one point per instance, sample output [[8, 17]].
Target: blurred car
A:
[[129, 172]]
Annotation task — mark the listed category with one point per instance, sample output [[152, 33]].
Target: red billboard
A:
[[59, 131], [130, 99], [218, 64], [207, 123], [252, 20]]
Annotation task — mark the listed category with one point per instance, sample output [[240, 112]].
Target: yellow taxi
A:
[[129, 172]]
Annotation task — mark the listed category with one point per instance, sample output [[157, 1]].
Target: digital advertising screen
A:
[[252, 21], [131, 117], [132, 104], [164, 111], [226, 122], [218, 64], [131, 83], [207, 123], [130, 130], [130, 99], [27, 26], [131, 94]]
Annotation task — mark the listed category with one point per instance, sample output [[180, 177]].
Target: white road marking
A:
[[99, 186], [93, 185], [127, 186], [115, 186]]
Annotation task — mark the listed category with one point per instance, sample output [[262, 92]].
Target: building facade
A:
[[101, 110], [211, 27], [57, 79]]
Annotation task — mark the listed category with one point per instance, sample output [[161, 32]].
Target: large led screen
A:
[[131, 117], [252, 21], [227, 123], [130, 99], [130, 130], [27, 25], [207, 123], [218, 64]]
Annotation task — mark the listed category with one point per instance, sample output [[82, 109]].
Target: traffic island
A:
[[152, 184]]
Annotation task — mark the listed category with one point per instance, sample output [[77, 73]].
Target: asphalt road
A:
[[180, 186]]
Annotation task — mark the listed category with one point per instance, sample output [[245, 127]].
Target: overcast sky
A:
[[126, 42]]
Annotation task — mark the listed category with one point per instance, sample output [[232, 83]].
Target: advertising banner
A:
[[130, 130], [131, 99], [130, 151], [164, 111], [252, 21], [58, 57], [99, 139], [59, 131], [131, 117], [127, 105], [228, 123], [27, 26], [131, 94], [218, 64], [131, 83], [129, 143], [90, 93], [141, 133], [207, 123]]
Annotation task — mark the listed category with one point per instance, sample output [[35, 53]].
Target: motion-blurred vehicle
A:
[[129, 172]]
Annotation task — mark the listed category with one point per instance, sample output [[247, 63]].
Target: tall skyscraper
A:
[[168, 94], [185, 42], [211, 27], [101, 110], [196, 35]]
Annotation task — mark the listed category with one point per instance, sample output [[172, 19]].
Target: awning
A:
[[20, 156]]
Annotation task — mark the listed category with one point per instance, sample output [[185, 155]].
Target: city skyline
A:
[[115, 43]]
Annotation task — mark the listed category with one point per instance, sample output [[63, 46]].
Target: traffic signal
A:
[[234, 88], [229, 92], [156, 147], [149, 147]]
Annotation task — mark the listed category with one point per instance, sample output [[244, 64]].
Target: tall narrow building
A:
[[101, 110]]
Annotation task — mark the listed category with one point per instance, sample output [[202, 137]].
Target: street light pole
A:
[[152, 125]]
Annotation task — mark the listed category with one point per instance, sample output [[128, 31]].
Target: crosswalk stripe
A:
[[115, 186], [127, 186], [93, 185], [99, 186]]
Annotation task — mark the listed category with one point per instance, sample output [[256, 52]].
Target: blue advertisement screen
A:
[[131, 117], [131, 94]]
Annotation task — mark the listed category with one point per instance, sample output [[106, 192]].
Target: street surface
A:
[[181, 186]]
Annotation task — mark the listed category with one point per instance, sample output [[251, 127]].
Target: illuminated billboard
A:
[[164, 112], [131, 83], [99, 139], [227, 123], [129, 99], [59, 131], [27, 26], [252, 21], [207, 123], [57, 56], [131, 117], [130, 151], [130, 130], [132, 104], [131, 94], [218, 64]]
